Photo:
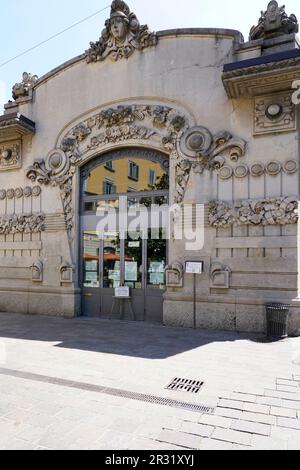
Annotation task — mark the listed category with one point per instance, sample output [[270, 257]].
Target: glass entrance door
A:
[[134, 262]]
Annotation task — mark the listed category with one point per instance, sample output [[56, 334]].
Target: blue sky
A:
[[25, 24]]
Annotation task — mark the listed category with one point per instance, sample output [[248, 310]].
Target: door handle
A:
[[88, 295]]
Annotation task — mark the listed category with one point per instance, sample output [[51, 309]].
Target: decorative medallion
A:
[[122, 36], [257, 169], [195, 141], [27, 191], [36, 191], [18, 193], [226, 172], [10, 156], [290, 167], [274, 113], [2, 194], [10, 193], [241, 171]]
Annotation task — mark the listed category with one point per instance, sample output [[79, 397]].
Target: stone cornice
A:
[[15, 125], [261, 76]]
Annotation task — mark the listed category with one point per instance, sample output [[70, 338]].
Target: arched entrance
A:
[[127, 188]]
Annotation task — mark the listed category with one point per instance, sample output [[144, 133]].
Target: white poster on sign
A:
[[122, 292], [194, 267]]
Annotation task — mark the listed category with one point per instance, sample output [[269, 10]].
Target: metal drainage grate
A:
[[115, 392], [185, 385]]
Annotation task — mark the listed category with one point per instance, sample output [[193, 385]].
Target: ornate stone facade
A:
[[117, 125], [122, 36], [274, 22], [275, 211]]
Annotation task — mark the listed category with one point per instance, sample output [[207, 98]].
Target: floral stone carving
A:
[[276, 211], [21, 90], [122, 35], [24, 223], [274, 22]]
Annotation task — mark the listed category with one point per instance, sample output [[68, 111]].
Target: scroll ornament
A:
[[200, 150]]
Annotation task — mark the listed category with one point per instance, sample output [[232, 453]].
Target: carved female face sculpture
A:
[[118, 27]]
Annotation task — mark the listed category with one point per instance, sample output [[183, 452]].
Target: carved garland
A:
[[24, 223], [191, 148], [277, 211]]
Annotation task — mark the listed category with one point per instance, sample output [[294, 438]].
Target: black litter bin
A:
[[277, 321]]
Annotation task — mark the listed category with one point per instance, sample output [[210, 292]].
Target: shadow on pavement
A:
[[144, 340]]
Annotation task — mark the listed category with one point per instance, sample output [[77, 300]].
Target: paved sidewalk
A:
[[64, 385]]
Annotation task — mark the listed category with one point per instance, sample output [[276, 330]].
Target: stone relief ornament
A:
[[273, 168], [23, 223], [66, 273], [205, 151], [174, 275], [20, 192], [21, 90], [274, 22], [37, 271], [274, 113], [276, 211], [10, 156], [121, 37], [290, 167], [257, 170]]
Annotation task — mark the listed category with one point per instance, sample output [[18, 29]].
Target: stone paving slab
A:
[[243, 380]]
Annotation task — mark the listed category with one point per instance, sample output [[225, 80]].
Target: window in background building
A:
[[109, 187], [152, 178], [133, 171], [109, 166]]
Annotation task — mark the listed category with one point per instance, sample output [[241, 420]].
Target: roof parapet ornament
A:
[[274, 22], [122, 35], [21, 90]]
